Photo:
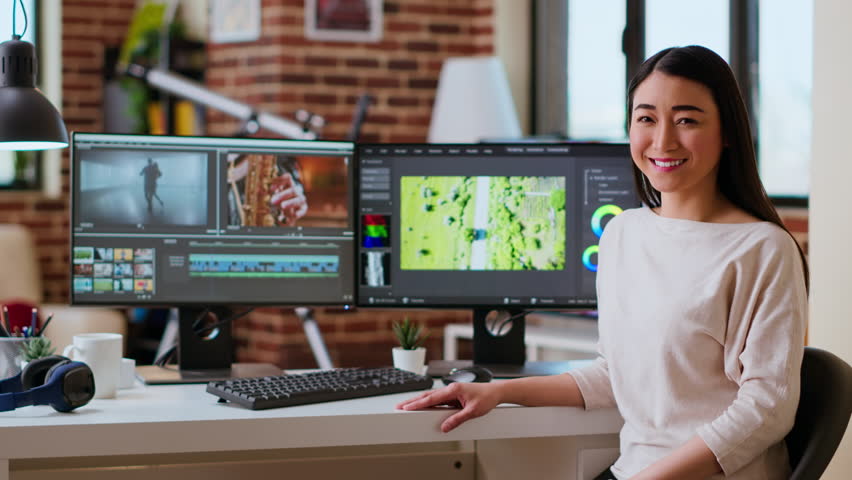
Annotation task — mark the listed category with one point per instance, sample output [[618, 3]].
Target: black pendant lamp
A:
[[28, 121]]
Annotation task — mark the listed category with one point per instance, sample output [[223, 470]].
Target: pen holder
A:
[[19, 315], [10, 356]]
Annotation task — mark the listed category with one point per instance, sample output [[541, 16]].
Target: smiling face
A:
[[676, 135]]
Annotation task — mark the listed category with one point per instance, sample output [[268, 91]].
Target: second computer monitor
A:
[[486, 226]]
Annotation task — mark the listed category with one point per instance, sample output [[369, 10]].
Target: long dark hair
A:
[[738, 178]]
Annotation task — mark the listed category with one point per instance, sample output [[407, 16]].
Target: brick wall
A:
[[796, 220], [283, 71]]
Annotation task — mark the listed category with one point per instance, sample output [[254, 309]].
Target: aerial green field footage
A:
[[482, 223]]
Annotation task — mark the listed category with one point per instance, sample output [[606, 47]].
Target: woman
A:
[[702, 357]]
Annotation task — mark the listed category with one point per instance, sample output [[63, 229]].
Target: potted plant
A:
[[35, 348], [410, 354]]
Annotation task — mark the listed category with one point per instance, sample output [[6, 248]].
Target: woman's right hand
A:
[[474, 399]]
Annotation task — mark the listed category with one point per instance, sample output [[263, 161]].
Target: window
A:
[[6, 22], [784, 98], [18, 170], [596, 70], [675, 23], [767, 42]]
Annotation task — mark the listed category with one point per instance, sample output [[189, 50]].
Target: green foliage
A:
[[559, 257], [436, 212], [37, 347], [529, 232], [557, 199], [469, 234], [142, 45], [453, 195], [532, 243], [441, 233], [137, 103], [409, 335], [142, 32]]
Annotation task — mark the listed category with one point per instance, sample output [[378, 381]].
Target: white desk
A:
[[180, 431]]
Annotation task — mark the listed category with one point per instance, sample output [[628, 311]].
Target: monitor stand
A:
[[498, 345], [205, 346]]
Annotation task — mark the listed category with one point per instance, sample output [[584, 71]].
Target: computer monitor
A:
[[500, 228], [199, 222]]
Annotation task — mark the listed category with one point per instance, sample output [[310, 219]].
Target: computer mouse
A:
[[469, 374]]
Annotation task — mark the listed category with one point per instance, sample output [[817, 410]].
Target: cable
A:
[[213, 326], [199, 318], [15, 18], [359, 117], [163, 359], [506, 322], [26, 20]]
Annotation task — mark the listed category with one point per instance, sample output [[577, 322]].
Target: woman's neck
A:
[[711, 207]]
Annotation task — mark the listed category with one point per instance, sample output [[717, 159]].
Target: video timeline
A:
[[268, 266]]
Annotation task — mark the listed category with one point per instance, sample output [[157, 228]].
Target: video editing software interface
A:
[[200, 220], [486, 225]]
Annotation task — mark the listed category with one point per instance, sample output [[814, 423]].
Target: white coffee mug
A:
[[102, 353]]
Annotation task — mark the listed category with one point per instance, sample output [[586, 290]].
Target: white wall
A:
[[512, 45], [50, 78], [830, 235]]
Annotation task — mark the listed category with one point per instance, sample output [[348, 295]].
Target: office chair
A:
[[823, 413]]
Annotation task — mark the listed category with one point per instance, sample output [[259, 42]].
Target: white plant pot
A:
[[411, 360]]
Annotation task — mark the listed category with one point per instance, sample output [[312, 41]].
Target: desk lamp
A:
[[473, 102], [28, 121]]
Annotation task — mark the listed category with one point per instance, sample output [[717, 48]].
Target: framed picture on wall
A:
[[343, 20], [234, 21]]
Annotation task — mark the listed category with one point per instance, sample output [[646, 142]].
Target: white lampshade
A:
[[473, 102]]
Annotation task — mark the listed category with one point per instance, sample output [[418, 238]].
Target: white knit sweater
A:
[[701, 333]]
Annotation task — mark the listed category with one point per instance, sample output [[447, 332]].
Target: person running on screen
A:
[[151, 172], [702, 357]]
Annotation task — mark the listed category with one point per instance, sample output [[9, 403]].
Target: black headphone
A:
[[53, 380]]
